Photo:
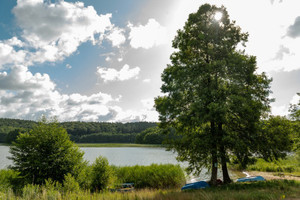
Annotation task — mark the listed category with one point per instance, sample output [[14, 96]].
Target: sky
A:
[[98, 60]]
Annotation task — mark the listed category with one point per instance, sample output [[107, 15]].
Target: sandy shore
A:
[[271, 176]]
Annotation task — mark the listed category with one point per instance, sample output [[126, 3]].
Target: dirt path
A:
[[271, 176]]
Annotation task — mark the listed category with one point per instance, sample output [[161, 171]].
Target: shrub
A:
[[153, 176], [45, 152], [10, 179], [101, 174], [84, 178], [70, 184], [51, 189]]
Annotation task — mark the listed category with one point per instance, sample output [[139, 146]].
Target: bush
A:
[[10, 179], [153, 176], [84, 178], [101, 174], [46, 152], [70, 184]]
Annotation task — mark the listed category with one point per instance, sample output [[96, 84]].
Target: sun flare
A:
[[218, 16]]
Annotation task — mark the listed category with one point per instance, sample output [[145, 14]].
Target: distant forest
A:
[[89, 132]]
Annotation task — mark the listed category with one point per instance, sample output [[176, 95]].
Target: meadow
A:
[[236, 191]]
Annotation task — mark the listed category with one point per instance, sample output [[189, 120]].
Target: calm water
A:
[[121, 156]]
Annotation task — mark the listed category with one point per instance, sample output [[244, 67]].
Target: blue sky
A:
[[98, 60]]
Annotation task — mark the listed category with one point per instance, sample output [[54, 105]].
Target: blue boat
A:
[[196, 185], [251, 179]]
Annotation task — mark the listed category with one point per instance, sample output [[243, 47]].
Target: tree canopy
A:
[[214, 97], [45, 152]]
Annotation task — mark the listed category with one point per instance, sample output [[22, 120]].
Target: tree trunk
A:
[[214, 168], [226, 178]]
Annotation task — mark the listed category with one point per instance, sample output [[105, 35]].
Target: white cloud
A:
[[55, 30], [109, 74], [14, 41], [282, 110], [107, 59], [147, 36], [8, 55], [68, 66], [147, 80], [148, 103], [21, 79], [294, 30], [281, 52], [116, 37], [28, 96], [146, 113], [295, 99]]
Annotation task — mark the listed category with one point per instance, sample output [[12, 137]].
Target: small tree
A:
[[102, 174], [45, 152]]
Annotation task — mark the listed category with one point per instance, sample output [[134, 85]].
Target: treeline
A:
[[80, 132], [104, 132]]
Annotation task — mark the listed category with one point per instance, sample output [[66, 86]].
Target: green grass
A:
[[117, 145], [289, 165], [236, 191]]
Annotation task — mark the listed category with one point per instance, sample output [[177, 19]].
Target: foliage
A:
[[12, 135], [45, 152], [10, 179], [275, 138], [279, 189], [108, 138], [213, 96], [8, 125], [152, 135], [271, 142], [153, 176], [83, 131], [70, 184], [101, 174], [289, 164]]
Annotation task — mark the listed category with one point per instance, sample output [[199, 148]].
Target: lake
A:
[[122, 156], [119, 156]]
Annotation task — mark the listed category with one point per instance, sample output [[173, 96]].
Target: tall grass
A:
[[153, 176], [290, 164], [236, 191]]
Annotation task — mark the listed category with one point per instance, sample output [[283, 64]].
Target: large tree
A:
[[213, 96], [46, 152]]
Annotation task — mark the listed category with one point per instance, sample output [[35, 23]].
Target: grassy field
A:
[[117, 145], [290, 165], [259, 190]]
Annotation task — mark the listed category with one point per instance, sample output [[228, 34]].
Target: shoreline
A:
[[118, 145]]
